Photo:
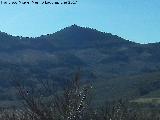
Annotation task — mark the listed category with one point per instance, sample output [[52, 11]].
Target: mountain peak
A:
[[74, 25]]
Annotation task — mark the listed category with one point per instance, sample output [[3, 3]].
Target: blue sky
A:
[[136, 20]]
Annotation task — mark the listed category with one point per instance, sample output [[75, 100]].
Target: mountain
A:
[[101, 57]]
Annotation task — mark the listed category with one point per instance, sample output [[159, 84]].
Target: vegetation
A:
[[74, 102]]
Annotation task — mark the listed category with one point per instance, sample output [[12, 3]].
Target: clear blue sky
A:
[[136, 20]]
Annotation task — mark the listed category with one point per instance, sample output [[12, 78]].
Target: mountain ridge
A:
[[101, 56], [69, 27]]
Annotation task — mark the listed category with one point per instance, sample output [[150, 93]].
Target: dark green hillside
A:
[[102, 57]]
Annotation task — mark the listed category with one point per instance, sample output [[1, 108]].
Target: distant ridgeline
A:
[[101, 57]]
